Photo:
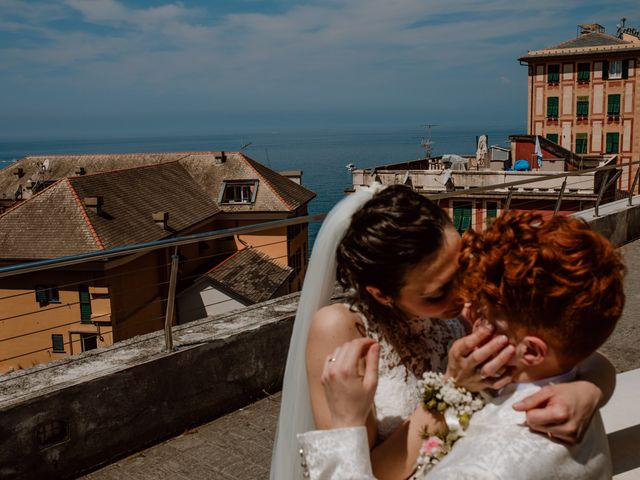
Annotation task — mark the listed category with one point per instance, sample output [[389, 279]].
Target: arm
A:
[[565, 410], [331, 327]]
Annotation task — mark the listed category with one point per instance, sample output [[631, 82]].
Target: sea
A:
[[322, 155]]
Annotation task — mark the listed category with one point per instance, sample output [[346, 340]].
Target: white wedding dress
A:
[[397, 395]]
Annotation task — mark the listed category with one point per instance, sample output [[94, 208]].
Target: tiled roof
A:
[[586, 44], [593, 39], [57, 222], [251, 274], [275, 192]]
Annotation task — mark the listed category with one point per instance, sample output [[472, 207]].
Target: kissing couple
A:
[[512, 315]]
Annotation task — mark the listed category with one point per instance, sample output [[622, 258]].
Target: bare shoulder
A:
[[335, 323]]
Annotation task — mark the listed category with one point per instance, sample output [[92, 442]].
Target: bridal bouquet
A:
[[456, 404]]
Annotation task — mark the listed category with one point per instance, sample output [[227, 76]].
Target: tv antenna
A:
[[245, 146], [427, 143]]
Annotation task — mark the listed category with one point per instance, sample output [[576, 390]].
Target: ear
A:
[[534, 351], [379, 296]]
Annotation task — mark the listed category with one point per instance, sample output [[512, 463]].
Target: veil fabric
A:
[[295, 410]]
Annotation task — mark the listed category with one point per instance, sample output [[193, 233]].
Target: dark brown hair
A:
[[556, 278], [393, 232]]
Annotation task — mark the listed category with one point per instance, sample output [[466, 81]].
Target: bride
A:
[[395, 253]]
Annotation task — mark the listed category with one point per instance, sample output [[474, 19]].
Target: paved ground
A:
[[238, 446]]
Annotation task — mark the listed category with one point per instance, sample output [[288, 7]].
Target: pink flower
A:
[[431, 445]]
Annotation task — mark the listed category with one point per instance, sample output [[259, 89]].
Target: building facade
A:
[[583, 94]]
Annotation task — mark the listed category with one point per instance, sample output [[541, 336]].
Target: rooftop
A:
[[250, 274], [128, 199], [208, 169], [588, 43]]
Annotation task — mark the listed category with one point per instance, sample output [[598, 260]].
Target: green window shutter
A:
[[583, 72], [582, 106], [613, 104], [85, 304], [625, 69], [552, 137], [612, 143], [462, 217], [41, 294], [581, 142], [553, 73], [492, 210], [57, 342], [605, 70], [552, 107]]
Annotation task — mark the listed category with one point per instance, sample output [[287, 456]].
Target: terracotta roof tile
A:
[[56, 222]]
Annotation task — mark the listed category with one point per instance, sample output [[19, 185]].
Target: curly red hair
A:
[[556, 278]]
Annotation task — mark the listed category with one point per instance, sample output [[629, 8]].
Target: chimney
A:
[[161, 219], [94, 204], [19, 172], [81, 171], [220, 159]]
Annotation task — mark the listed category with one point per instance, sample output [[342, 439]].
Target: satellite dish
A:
[[45, 165]]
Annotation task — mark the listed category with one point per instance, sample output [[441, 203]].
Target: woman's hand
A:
[[478, 361], [562, 411], [348, 385]]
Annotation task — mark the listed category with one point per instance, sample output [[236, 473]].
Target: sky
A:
[[74, 68]]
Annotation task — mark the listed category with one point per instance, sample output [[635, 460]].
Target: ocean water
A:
[[321, 155]]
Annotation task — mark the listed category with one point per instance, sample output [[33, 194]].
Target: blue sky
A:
[[77, 68]]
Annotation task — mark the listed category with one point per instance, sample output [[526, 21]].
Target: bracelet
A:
[[457, 405]]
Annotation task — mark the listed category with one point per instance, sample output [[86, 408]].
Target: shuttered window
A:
[[57, 342], [581, 142], [613, 104], [583, 72], [582, 107], [613, 141], [552, 107], [46, 294], [553, 73], [462, 217], [85, 304]]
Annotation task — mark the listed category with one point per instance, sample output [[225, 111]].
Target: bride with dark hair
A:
[[396, 255]]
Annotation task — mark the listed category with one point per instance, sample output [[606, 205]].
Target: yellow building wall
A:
[[26, 326]]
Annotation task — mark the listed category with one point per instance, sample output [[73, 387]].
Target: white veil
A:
[[295, 410]]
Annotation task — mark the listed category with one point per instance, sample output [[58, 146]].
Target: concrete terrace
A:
[[238, 446]]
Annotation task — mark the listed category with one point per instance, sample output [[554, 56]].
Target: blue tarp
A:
[[522, 166]]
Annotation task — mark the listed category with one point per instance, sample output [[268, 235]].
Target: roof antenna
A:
[[427, 143]]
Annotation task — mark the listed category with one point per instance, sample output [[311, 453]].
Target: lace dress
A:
[[397, 395]]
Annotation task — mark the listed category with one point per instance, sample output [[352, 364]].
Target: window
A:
[[552, 107], [88, 341], [582, 107], [238, 191], [462, 217], [46, 294], [57, 341], [617, 69], [613, 104], [583, 72], [553, 137], [553, 74], [581, 142], [613, 141], [85, 304], [491, 212]]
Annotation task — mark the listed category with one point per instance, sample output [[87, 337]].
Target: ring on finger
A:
[[332, 359]]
